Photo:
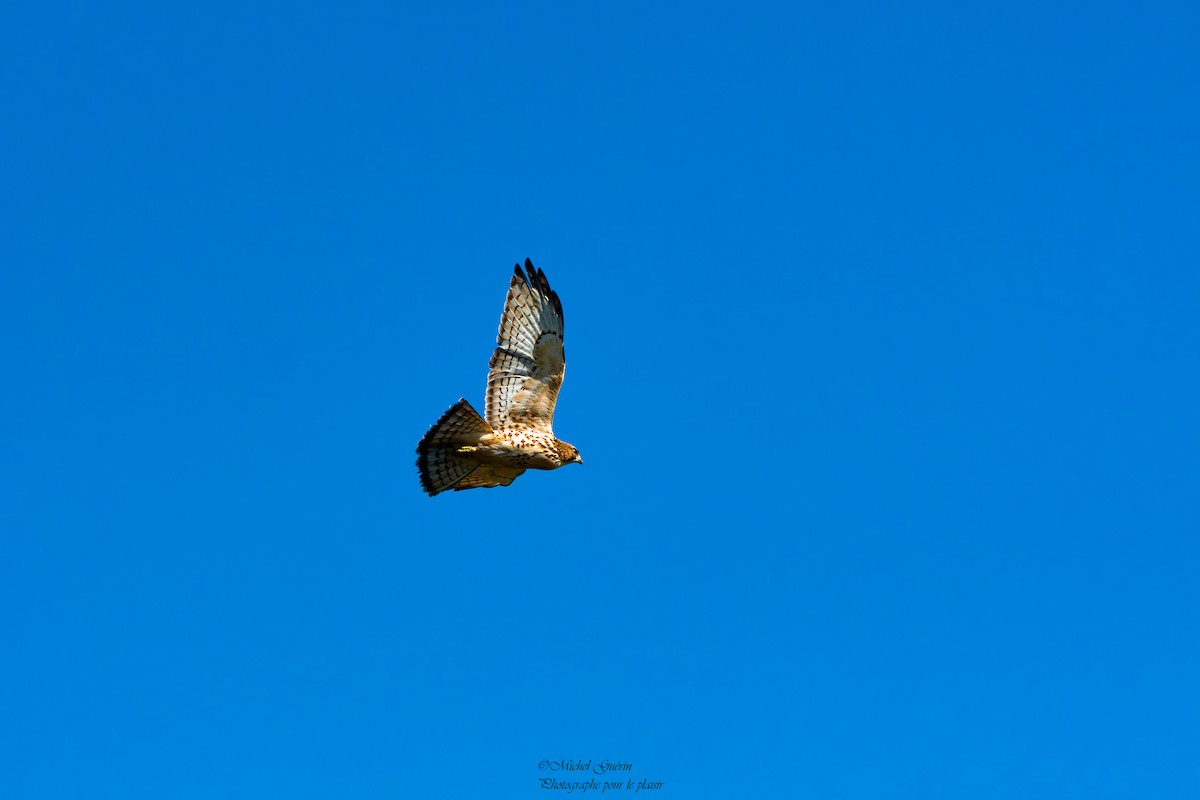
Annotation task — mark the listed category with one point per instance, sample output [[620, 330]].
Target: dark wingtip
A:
[[537, 281]]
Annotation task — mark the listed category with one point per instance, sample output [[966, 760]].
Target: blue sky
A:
[[881, 325]]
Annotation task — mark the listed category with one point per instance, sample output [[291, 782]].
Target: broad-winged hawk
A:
[[464, 450]]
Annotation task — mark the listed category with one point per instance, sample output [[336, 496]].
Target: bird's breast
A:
[[519, 448]]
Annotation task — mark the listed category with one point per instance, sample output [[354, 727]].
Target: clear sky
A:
[[882, 341]]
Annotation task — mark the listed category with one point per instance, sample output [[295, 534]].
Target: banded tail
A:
[[442, 463]]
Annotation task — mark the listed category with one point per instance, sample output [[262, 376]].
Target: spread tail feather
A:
[[440, 468]]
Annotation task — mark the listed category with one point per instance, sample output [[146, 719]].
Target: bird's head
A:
[[568, 453]]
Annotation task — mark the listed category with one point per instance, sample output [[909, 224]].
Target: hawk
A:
[[464, 450]]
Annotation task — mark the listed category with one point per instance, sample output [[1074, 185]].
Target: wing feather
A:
[[527, 367], [487, 476]]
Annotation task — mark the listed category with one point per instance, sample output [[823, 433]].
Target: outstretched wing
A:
[[487, 476], [527, 368]]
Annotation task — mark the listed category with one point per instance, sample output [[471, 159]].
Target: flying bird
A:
[[466, 451]]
